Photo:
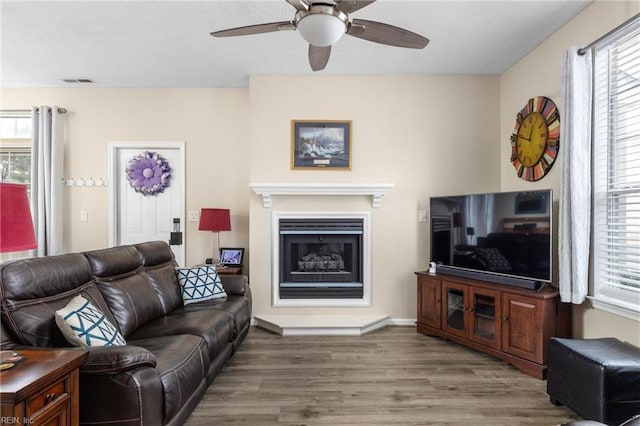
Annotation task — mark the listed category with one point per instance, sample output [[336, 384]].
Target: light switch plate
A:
[[193, 216]]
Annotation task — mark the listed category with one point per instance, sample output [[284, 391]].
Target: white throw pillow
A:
[[82, 324], [199, 283]]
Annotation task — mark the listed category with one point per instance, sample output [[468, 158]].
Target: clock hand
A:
[[528, 140]]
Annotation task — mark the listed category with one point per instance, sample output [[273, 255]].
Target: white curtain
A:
[[575, 185], [47, 162]]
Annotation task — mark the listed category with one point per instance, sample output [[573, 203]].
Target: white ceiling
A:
[[167, 43]]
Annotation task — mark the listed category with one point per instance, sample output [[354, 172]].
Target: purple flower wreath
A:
[[149, 173]]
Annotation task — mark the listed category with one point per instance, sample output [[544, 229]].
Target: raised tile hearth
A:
[[321, 325]]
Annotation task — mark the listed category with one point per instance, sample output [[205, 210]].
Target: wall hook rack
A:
[[84, 182]]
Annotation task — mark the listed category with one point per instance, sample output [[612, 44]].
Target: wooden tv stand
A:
[[511, 323]]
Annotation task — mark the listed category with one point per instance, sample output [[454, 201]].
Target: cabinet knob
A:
[[50, 396], [505, 318], [437, 300], [471, 309]]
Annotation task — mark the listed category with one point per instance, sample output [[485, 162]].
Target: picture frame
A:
[[321, 144], [231, 256], [531, 203]]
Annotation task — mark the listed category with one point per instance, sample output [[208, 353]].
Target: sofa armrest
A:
[[114, 359], [235, 284], [133, 398]]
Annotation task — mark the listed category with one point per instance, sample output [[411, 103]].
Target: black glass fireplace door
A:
[[319, 262]]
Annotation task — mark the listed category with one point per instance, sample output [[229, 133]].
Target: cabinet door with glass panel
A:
[[454, 309], [472, 313], [484, 313]]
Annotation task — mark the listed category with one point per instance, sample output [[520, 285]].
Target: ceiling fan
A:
[[322, 23]]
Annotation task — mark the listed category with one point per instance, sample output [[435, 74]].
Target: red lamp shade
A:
[[214, 220], [16, 226]]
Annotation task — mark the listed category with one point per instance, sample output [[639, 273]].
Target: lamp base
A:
[[209, 261]]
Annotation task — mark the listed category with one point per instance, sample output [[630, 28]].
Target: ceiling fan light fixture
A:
[[321, 29]]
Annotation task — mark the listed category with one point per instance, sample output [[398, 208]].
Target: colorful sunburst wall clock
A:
[[535, 139]]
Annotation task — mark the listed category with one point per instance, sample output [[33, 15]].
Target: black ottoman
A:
[[599, 379]]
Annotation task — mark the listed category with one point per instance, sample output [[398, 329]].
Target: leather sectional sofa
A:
[[173, 351]]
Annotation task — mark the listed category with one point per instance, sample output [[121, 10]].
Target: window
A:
[[15, 125], [15, 147], [616, 173], [15, 157]]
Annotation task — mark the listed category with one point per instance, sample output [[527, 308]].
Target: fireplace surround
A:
[[321, 259]]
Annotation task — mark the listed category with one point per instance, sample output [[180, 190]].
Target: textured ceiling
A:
[[167, 43]]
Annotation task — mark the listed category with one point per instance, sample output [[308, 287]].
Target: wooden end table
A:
[[230, 270], [43, 388]]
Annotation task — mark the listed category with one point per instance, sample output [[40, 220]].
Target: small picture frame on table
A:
[[321, 144], [231, 256]]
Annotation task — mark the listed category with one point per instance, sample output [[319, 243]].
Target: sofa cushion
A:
[[158, 262], [182, 363], [155, 253], [165, 283], [235, 284], [132, 300], [82, 324], [200, 283], [214, 327], [112, 262], [237, 307], [33, 289]]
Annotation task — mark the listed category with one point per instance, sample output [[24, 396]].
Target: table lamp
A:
[[16, 225], [215, 220]]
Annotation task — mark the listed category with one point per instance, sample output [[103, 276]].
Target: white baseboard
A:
[[291, 325], [404, 322]]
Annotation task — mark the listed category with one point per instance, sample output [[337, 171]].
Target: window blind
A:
[[616, 179]]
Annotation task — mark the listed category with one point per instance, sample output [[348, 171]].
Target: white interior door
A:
[[135, 217]]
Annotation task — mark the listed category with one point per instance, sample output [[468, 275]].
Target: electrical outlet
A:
[[193, 216], [422, 216]]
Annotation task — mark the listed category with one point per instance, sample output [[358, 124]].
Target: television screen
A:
[[503, 237]]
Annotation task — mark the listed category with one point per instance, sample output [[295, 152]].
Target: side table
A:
[[230, 270], [43, 388]]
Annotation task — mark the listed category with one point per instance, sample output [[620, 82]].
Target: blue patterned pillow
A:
[[82, 324], [200, 283]]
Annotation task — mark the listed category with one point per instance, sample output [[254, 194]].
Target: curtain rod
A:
[[620, 27], [60, 110]]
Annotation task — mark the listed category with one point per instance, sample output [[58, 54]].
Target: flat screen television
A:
[[500, 237]]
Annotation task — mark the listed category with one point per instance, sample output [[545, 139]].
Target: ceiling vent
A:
[[77, 80]]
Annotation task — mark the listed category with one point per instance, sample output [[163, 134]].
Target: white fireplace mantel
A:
[[268, 190]]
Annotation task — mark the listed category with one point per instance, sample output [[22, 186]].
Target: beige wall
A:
[[538, 74], [211, 122], [428, 135], [425, 135]]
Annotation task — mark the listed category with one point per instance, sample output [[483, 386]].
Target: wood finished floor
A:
[[393, 376]]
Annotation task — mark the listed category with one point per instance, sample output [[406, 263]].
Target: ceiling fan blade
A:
[[255, 29], [386, 34], [348, 6], [299, 4], [318, 57]]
